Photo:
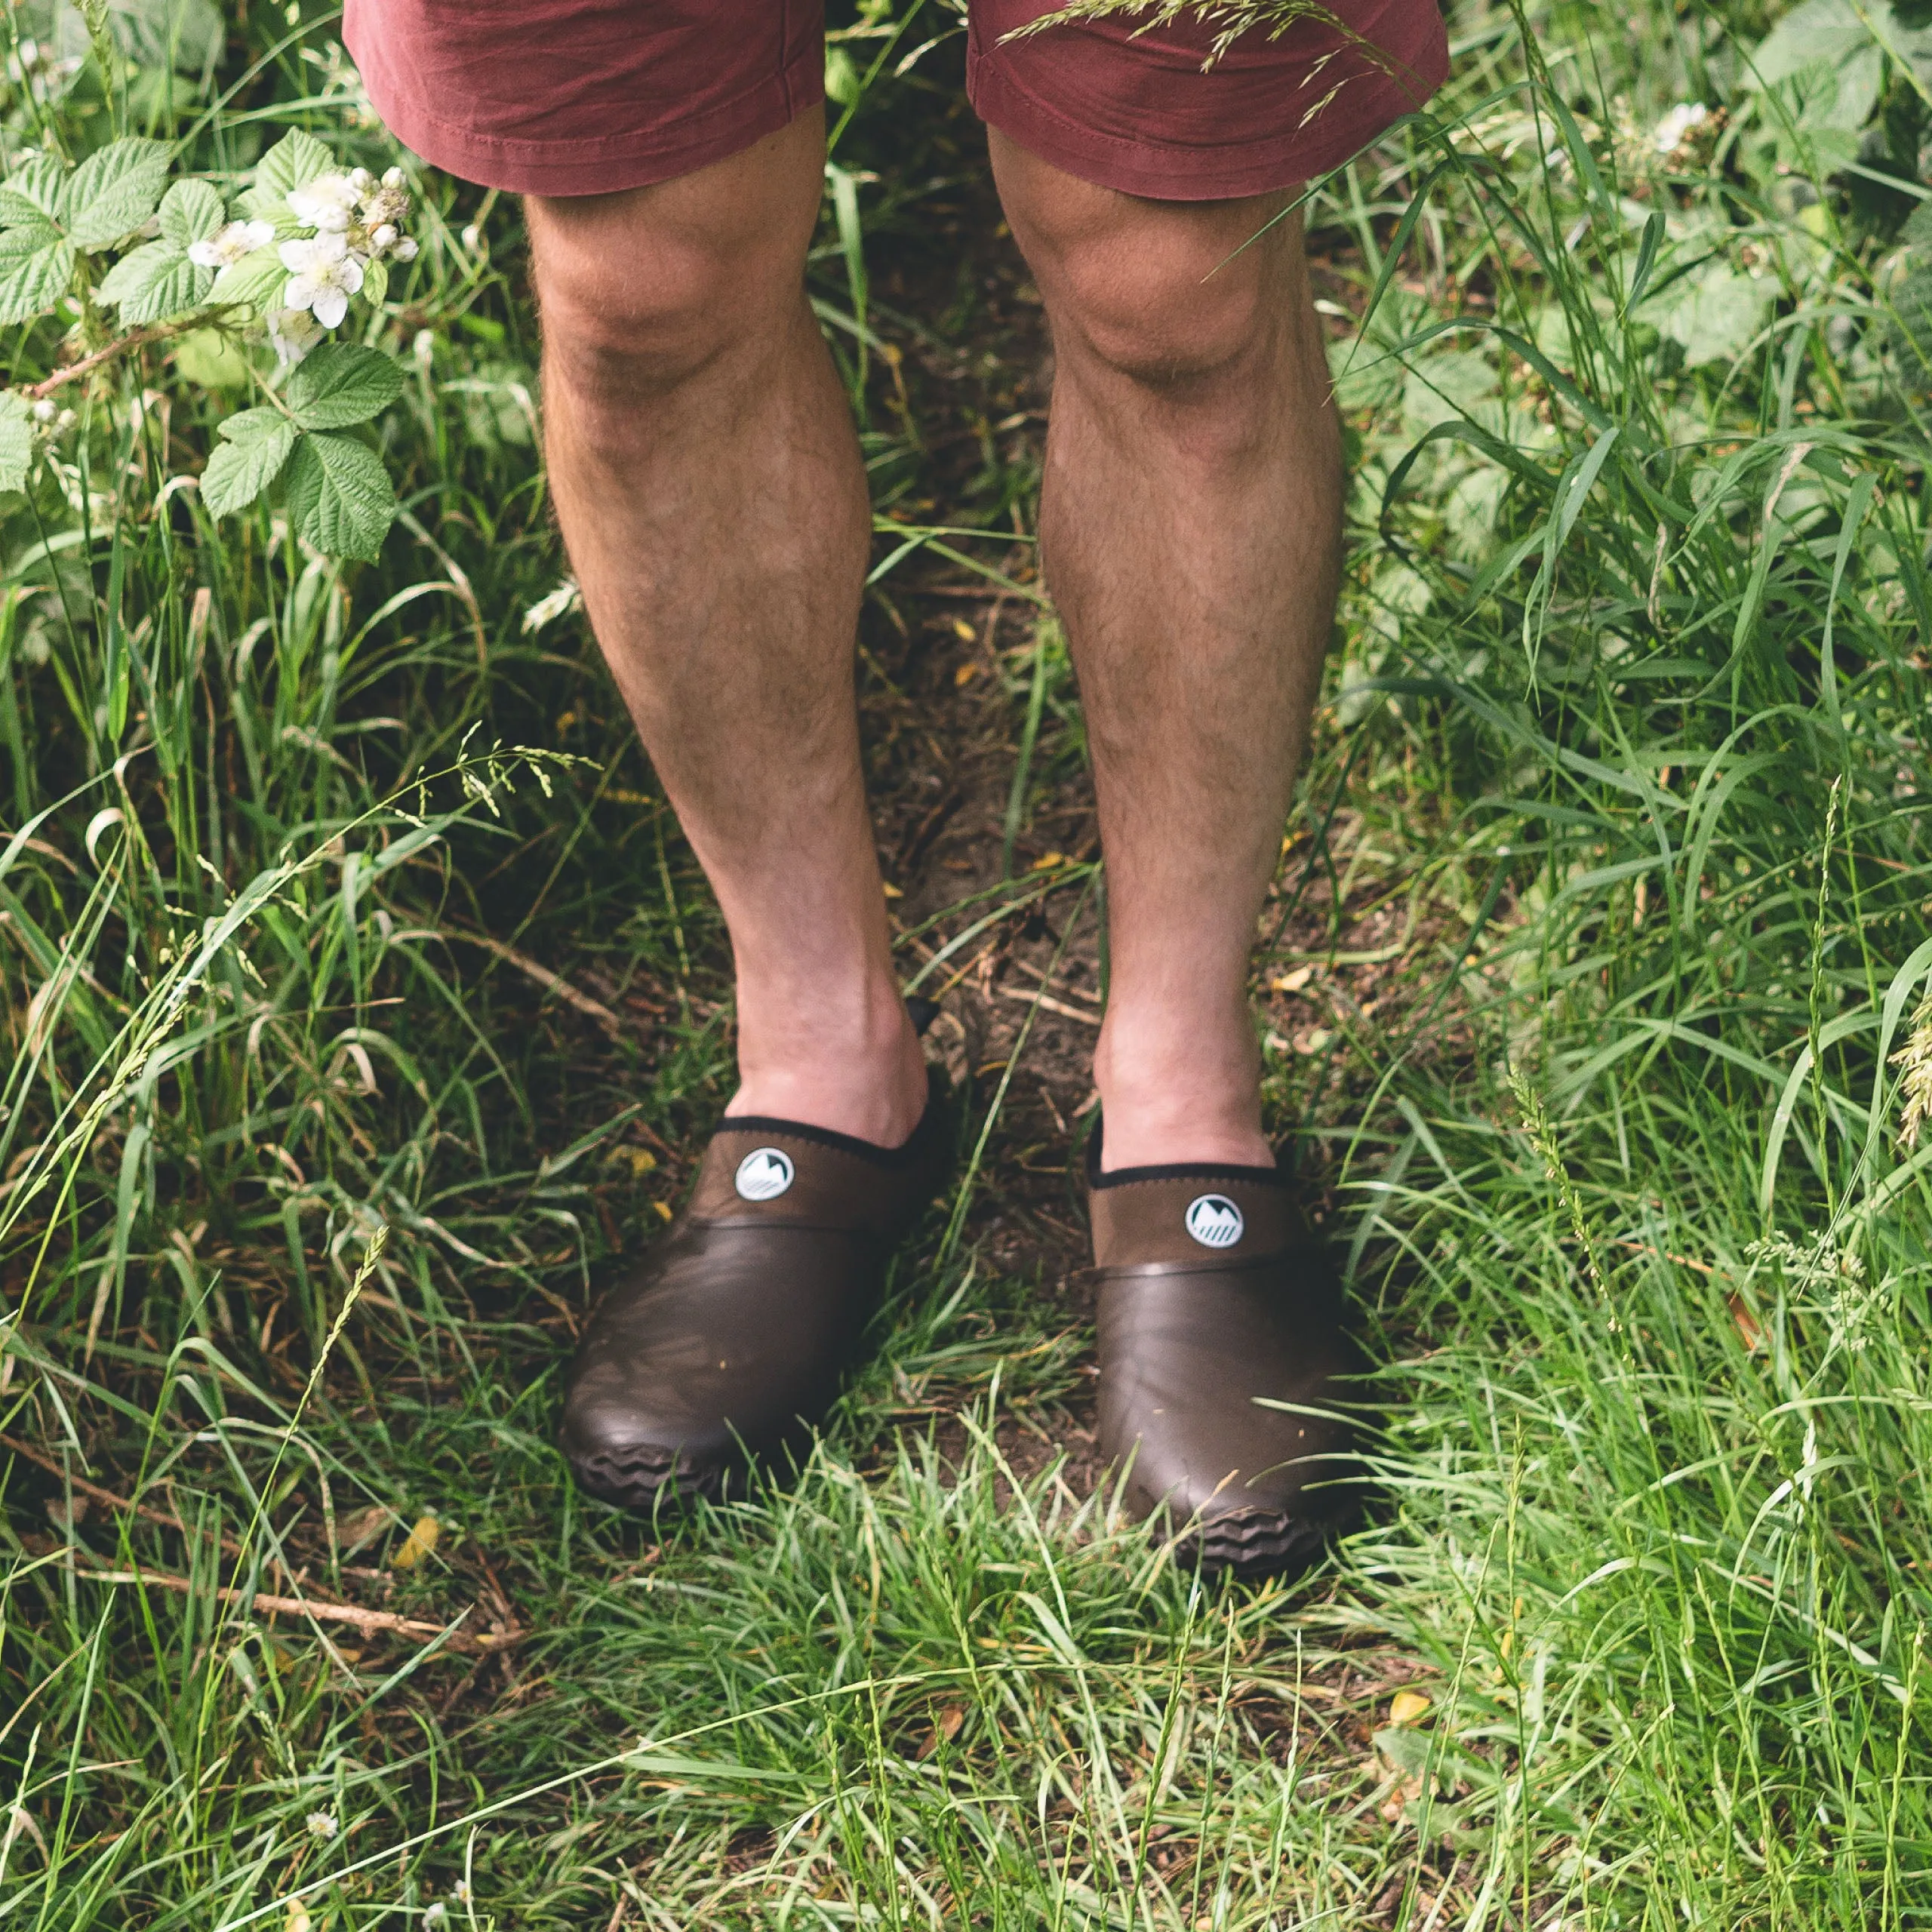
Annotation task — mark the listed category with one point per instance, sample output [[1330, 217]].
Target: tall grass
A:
[[1630, 717]]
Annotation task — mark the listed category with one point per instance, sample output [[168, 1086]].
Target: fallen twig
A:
[[323, 1612], [550, 981], [96, 1493], [1052, 1005]]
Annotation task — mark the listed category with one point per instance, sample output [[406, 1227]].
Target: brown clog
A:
[[1224, 1359], [727, 1344]]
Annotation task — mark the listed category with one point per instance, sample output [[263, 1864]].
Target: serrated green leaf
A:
[[16, 211], [247, 461], [246, 424], [342, 383], [34, 271], [32, 197], [256, 279], [294, 161], [191, 211], [113, 192], [16, 440], [1714, 313], [339, 497], [154, 282], [375, 283], [258, 204], [135, 270]]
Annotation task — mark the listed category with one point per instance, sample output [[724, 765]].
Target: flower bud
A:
[[405, 249], [392, 177], [382, 238], [45, 410]]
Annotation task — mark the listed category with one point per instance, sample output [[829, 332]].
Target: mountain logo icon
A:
[[1215, 1221], [764, 1174]]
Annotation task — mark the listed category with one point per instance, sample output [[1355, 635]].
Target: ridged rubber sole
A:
[[648, 1478], [1255, 1543]]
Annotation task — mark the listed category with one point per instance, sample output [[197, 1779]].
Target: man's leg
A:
[[709, 486], [1190, 531]]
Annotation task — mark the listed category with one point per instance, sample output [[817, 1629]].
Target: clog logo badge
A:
[[764, 1174], [1215, 1221]]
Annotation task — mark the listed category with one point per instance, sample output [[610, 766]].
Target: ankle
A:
[[1161, 1106], [1159, 1136], [861, 1074]]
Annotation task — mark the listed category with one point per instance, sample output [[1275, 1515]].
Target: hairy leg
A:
[[1190, 531], [708, 484]]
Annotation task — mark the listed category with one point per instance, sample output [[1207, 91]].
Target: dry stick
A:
[[94, 1491], [1051, 1004], [348, 1613], [134, 339], [327, 1612], [550, 981]]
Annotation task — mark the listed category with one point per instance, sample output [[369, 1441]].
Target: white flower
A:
[[326, 202], [323, 275], [1668, 135], [435, 1914], [322, 1825], [361, 179], [293, 332], [224, 249], [459, 1891]]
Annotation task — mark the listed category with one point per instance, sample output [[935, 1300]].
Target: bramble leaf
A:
[[191, 211], [296, 158], [256, 279], [113, 192], [1714, 313], [245, 424], [36, 267], [375, 282], [342, 383], [254, 445], [154, 282], [339, 497], [31, 197], [16, 440]]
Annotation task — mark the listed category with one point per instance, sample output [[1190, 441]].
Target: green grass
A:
[[1621, 777]]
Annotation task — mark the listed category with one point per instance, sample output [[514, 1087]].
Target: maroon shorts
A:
[[584, 96]]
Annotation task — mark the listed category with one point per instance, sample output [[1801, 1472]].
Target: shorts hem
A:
[[605, 164], [1181, 171]]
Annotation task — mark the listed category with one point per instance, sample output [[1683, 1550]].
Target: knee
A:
[[1172, 296], [619, 331], [632, 311], [1168, 321]]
